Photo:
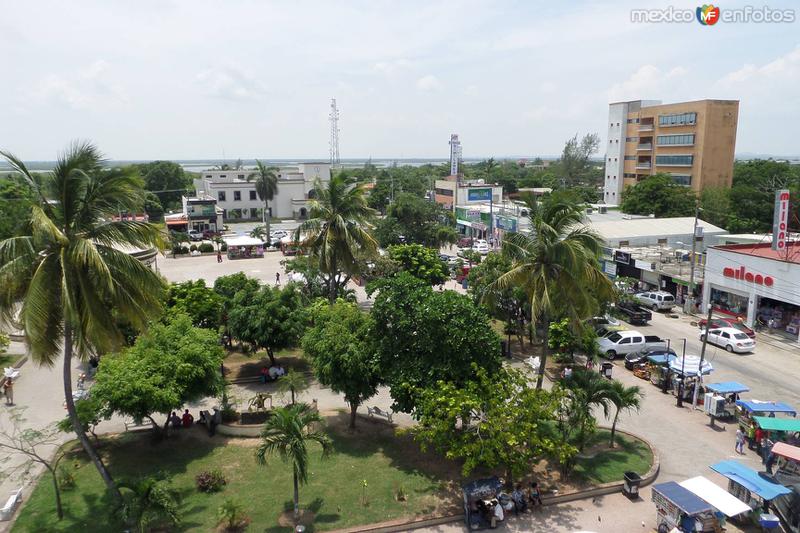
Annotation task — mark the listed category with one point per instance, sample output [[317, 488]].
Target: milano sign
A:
[[780, 221]]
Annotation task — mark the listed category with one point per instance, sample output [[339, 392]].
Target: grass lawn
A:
[[8, 359], [334, 492], [608, 464]]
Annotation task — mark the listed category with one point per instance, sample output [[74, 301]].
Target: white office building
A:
[[238, 198]]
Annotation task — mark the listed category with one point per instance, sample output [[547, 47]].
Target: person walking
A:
[[277, 278], [219, 256], [739, 441], [8, 391]]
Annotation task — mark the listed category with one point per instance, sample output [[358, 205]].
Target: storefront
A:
[[473, 221], [756, 283]]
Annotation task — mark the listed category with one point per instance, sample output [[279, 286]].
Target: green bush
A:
[[210, 481], [66, 480], [206, 247], [193, 248], [232, 516], [179, 250], [224, 247]]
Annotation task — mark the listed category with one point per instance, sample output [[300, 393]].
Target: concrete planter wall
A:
[[239, 430]]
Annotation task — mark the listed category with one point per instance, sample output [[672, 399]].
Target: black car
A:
[[633, 359]]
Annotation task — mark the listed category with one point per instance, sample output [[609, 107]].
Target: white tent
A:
[[243, 240], [716, 496], [688, 365]]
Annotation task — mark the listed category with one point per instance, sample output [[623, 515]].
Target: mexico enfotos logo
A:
[[710, 15]]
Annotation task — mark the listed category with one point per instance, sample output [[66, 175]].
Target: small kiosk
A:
[[658, 370], [243, 247], [755, 488], [678, 506], [685, 371], [747, 409], [720, 399]]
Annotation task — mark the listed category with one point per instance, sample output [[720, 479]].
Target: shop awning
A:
[[771, 423], [727, 387], [243, 240], [786, 450], [719, 498], [688, 366], [758, 406], [750, 479], [683, 499]]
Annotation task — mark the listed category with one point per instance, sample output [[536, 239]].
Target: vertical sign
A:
[[780, 220], [455, 154]]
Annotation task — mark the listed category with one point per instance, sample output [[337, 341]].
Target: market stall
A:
[[658, 369], [677, 506], [721, 500], [720, 399], [685, 371], [241, 247], [757, 489], [747, 409], [781, 428]]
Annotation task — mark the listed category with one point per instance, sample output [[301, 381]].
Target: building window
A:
[[662, 241], [240, 176], [628, 175], [678, 119], [682, 179], [630, 158], [624, 244], [666, 140], [221, 196], [631, 139], [208, 176], [444, 192], [675, 160], [223, 175], [237, 196], [616, 140], [252, 195]]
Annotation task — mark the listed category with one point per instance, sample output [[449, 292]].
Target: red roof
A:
[[786, 450], [791, 254]]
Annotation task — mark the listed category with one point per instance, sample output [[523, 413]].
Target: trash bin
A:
[[630, 487], [606, 368]]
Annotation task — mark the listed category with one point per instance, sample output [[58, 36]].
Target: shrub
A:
[[206, 247], [193, 248], [66, 480], [210, 481], [179, 250], [232, 516], [224, 247]]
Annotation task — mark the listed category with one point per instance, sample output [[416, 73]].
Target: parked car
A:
[[634, 314], [608, 329], [731, 339], [625, 342], [480, 246], [728, 323], [465, 242], [633, 359], [605, 320], [195, 235], [656, 300]]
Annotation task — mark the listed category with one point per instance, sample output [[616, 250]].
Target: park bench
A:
[[11, 504], [133, 425], [377, 411]]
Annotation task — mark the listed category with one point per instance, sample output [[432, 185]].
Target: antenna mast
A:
[[333, 117]]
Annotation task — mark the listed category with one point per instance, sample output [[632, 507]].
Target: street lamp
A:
[[689, 305]]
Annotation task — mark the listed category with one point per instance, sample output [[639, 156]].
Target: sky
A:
[[151, 79]]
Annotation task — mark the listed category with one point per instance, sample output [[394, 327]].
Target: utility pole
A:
[[683, 376], [690, 300], [702, 357]]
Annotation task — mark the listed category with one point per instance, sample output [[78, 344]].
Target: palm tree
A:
[[292, 383], [266, 187], [65, 278], [623, 398], [259, 232], [586, 390], [287, 433], [556, 265], [337, 231]]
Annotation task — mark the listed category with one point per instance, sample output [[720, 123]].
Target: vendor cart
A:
[[473, 492], [747, 409], [721, 399], [757, 489], [677, 506]]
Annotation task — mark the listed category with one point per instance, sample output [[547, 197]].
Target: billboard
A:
[[780, 220], [479, 195], [505, 223]]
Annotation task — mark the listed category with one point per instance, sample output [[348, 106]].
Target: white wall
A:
[[615, 148]]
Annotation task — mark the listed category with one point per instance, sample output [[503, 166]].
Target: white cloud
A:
[[783, 69], [648, 82], [91, 86], [391, 67], [429, 83], [230, 83]]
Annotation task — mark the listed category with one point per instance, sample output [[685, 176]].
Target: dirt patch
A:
[[286, 518], [239, 365]]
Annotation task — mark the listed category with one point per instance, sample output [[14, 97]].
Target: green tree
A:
[[266, 179], [89, 411], [200, 302], [491, 421], [227, 287], [170, 365], [574, 163], [421, 262], [752, 195], [16, 199], [153, 207], [287, 433], [556, 265], [716, 206], [270, 318], [339, 345], [659, 195], [623, 398], [150, 502], [337, 231], [65, 278], [585, 390], [566, 338], [167, 180], [292, 383], [411, 219], [423, 336]]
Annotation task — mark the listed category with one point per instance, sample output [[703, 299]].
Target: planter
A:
[[240, 430]]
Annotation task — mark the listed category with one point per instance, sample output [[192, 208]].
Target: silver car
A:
[[656, 300]]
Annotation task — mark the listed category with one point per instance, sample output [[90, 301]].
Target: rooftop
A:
[[790, 255], [649, 227]]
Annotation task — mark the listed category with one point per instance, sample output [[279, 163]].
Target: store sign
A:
[[610, 268], [479, 195], [665, 506], [780, 220], [644, 265], [622, 257], [506, 223], [742, 274]]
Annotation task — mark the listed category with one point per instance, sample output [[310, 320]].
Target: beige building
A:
[[694, 142]]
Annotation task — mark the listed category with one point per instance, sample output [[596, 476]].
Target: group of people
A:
[[272, 373], [519, 501], [178, 422], [761, 442]]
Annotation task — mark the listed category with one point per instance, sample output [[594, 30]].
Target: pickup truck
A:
[[634, 314], [625, 342]]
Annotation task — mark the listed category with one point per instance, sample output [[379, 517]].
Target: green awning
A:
[[777, 424]]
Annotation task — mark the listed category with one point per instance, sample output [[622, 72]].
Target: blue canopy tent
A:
[[727, 387], [755, 482], [757, 406], [662, 359], [677, 505]]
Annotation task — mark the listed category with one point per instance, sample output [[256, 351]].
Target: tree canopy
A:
[[574, 163], [16, 200], [423, 336], [173, 363], [200, 302], [421, 262], [659, 195], [167, 180], [411, 219], [339, 344]]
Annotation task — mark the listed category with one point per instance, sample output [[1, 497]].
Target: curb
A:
[[600, 490]]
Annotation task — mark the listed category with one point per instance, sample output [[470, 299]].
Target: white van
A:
[[656, 300]]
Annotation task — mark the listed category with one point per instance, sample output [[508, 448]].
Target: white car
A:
[[480, 246], [278, 234], [731, 339], [195, 235], [656, 300]]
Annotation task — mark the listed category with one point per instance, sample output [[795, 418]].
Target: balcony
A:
[[643, 165], [646, 127], [644, 146]]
